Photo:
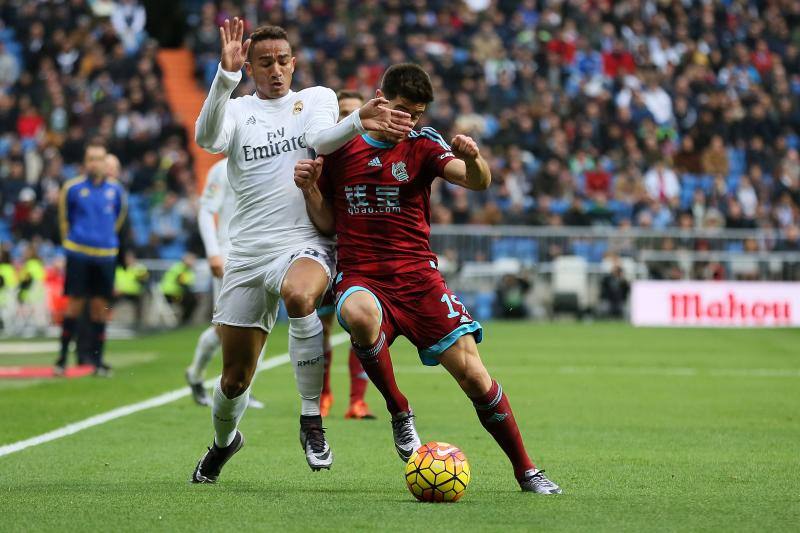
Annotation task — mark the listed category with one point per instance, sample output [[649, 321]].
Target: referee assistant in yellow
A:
[[92, 209]]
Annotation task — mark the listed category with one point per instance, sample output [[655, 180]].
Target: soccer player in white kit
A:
[[217, 200], [275, 252]]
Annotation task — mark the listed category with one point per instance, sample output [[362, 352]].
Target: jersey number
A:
[[447, 299]]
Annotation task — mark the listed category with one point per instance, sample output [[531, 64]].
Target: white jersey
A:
[[263, 140], [217, 199]]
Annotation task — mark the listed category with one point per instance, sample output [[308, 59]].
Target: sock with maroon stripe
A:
[[378, 365], [497, 418], [358, 378]]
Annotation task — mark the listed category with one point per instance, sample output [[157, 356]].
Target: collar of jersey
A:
[[275, 102], [375, 142]]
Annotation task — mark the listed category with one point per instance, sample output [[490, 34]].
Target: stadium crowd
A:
[[70, 72], [641, 113]]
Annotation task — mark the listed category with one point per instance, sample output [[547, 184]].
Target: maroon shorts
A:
[[326, 306], [417, 305]]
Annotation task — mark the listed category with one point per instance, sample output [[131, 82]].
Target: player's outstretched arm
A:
[[214, 127], [469, 169], [320, 211], [325, 136]]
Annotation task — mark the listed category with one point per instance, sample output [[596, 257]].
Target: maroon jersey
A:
[[380, 194]]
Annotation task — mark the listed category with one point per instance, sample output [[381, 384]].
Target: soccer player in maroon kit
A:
[[374, 194], [349, 102]]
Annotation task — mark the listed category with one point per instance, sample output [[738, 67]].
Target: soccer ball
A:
[[437, 472]]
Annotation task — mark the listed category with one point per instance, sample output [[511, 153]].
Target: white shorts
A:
[[251, 290]]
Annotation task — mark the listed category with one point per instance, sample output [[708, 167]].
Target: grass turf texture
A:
[[644, 429]]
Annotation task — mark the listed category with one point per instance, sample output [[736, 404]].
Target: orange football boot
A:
[[359, 410], [325, 402]]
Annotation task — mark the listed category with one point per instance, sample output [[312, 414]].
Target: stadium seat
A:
[[483, 306], [599, 249], [734, 246], [582, 249], [622, 210], [570, 285], [707, 183], [559, 206], [5, 230], [524, 249]]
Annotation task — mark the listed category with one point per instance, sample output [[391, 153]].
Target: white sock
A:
[[305, 351], [207, 344], [226, 414]]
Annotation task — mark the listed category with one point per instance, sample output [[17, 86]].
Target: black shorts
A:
[[87, 276]]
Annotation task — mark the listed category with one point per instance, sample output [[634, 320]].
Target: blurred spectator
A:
[[128, 19], [662, 183], [511, 292], [8, 285], [614, 289], [687, 159], [715, 157], [177, 286], [130, 281], [9, 68]]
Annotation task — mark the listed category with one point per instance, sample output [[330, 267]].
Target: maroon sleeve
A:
[[325, 182], [436, 152]]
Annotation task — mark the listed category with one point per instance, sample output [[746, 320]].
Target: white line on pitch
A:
[[126, 410]]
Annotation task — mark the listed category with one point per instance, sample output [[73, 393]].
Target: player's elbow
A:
[[484, 183], [481, 183], [206, 140], [316, 142], [327, 229]]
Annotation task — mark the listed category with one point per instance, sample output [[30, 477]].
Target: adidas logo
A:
[[376, 162], [464, 319], [497, 417], [250, 121]]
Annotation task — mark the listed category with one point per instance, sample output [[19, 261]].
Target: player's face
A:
[[347, 106], [271, 66], [95, 161], [112, 166], [415, 109]]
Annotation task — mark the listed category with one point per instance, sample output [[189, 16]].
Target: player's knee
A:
[[469, 372], [299, 302], [475, 381], [361, 317], [234, 384]]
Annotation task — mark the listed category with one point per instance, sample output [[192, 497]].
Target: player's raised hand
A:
[[464, 147], [307, 172], [234, 51], [375, 116]]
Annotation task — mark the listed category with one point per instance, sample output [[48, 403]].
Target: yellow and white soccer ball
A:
[[437, 472]]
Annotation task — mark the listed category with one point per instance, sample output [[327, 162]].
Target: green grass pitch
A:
[[645, 430]]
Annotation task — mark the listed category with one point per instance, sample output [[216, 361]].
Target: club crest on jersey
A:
[[399, 171], [298, 106]]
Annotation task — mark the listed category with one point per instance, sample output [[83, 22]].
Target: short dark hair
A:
[[409, 81], [344, 94], [96, 142], [267, 33]]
